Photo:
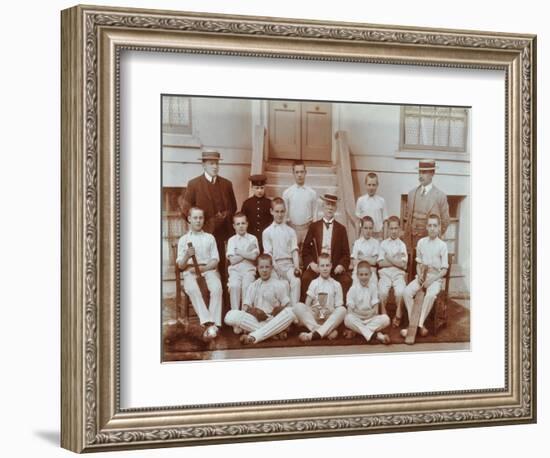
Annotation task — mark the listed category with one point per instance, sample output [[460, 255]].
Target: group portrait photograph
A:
[[312, 228]]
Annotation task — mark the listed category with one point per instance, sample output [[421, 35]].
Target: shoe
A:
[[305, 336], [210, 333], [383, 338], [333, 335], [396, 322], [349, 334], [237, 330], [247, 339], [423, 331], [403, 333]]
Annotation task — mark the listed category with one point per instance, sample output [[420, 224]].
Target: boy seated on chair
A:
[[324, 308], [242, 251], [203, 248], [431, 267], [266, 311], [392, 263], [280, 241], [362, 302], [366, 248]]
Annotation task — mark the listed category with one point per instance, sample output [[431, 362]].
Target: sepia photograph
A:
[[311, 228]]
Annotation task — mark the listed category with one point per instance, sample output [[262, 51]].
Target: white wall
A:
[[29, 241]]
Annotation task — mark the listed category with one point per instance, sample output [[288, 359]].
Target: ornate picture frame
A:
[[93, 39]]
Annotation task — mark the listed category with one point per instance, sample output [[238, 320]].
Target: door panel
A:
[[316, 131], [284, 130]]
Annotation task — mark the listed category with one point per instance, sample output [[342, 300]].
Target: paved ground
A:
[[186, 344]]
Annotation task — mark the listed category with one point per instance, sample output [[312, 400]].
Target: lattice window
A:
[[176, 115], [434, 128]]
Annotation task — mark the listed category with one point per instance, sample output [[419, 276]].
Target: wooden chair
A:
[[437, 318], [182, 300]]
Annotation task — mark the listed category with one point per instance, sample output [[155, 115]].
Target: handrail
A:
[[345, 184], [258, 147]]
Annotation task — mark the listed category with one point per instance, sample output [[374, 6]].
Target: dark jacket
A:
[[198, 194], [339, 249]]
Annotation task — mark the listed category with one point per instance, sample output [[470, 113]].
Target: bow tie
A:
[[327, 224]]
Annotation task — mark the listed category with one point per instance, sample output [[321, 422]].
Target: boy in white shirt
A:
[[266, 310], [392, 263], [300, 202], [324, 308], [203, 248], [373, 205], [281, 243], [432, 264], [366, 248], [362, 315], [242, 251]]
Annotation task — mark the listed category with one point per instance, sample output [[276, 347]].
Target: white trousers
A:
[[212, 313], [429, 298], [285, 271], [301, 231], [241, 275], [389, 279], [260, 330], [366, 326], [306, 317]]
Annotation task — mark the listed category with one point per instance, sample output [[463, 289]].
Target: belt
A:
[[283, 259], [191, 266], [299, 226]]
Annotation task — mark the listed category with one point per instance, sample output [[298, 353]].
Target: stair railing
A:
[[345, 185]]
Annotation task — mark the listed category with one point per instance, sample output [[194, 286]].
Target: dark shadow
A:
[[49, 436]]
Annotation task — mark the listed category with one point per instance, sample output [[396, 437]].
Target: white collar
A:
[[427, 188], [371, 197], [328, 221], [208, 176], [192, 232]]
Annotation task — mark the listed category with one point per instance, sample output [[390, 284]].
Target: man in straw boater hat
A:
[[214, 195], [423, 201], [326, 236]]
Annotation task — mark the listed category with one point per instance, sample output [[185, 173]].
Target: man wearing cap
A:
[[326, 236], [424, 200], [257, 208], [214, 194]]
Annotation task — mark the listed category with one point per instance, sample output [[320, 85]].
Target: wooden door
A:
[[316, 131], [300, 130]]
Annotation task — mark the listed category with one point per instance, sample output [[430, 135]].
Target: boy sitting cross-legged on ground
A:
[[324, 309], [362, 303], [266, 311], [242, 251]]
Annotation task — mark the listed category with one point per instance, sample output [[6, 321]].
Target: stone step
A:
[[312, 179], [311, 169]]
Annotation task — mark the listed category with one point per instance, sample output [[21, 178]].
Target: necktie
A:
[[423, 191], [327, 224]]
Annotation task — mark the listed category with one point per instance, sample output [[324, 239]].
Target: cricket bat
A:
[[416, 310], [201, 281]]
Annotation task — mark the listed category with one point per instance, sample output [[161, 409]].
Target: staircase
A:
[[323, 180]]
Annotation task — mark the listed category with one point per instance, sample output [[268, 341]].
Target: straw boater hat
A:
[[210, 154], [330, 198], [257, 180], [426, 165]]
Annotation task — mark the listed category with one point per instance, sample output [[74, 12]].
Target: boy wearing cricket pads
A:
[[266, 311], [242, 251], [324, 308], [362, 302], [392, 263], [281, 243], [202, 246], [432, 264]]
